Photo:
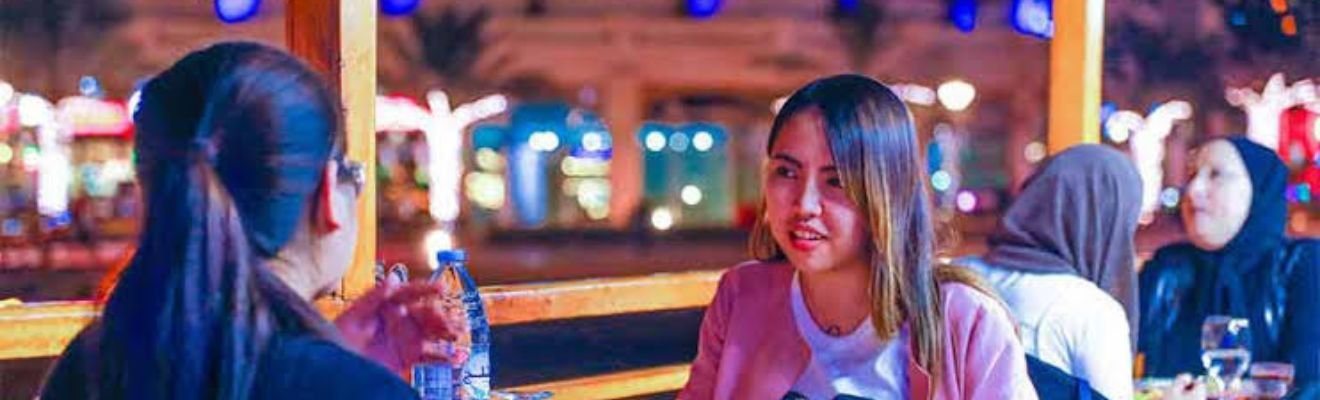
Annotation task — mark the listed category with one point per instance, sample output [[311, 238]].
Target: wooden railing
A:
[[601, 297], [513, 304], [616, 385], [42, 330]]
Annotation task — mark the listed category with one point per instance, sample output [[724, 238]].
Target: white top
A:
[[857, 364], [1068, 322]]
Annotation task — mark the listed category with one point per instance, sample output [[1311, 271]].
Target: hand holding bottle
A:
[[399, 324]]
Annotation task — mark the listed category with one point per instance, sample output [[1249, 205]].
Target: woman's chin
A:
[[807, 264], [1207, 245]]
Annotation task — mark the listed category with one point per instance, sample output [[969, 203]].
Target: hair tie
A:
[[205, 148]]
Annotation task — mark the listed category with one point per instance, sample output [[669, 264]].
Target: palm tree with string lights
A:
[[440, 50], [1196, 49]]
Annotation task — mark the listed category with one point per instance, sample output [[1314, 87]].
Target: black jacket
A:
[[293, 367], [1283, 307], [1054, 384]]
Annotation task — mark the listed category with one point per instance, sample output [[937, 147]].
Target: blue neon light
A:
[[398, 7], [703, 9], [235, 11], [1033, 17], [962, 13]]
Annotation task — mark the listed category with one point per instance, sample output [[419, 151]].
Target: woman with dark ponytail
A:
[[249, 215]]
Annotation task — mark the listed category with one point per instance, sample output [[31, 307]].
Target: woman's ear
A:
[[326, 221]]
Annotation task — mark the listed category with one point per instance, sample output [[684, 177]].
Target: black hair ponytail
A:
[[232, 141]]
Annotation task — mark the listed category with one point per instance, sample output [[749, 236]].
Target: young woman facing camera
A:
[[845, 298]]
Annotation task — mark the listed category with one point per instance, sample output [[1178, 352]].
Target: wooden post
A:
[[338, 38], [624, 112], [1075, 68]]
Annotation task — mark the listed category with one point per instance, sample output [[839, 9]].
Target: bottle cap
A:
[[448, 256]]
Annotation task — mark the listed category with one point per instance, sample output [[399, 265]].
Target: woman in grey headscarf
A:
[[1062, 259]]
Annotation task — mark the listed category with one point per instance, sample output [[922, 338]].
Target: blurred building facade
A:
[[609, 98]]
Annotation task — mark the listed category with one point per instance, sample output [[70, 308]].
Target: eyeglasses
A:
[[351, 172]]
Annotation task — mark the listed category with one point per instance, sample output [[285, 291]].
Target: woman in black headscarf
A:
[[1062, 260], [1238, 263]]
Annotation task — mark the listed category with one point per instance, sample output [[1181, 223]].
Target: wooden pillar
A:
[[1023, 128], [338, 38], [1075, 69], [623, 112]]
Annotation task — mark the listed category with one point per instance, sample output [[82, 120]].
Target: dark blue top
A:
[[292, 367], [1280, 297]]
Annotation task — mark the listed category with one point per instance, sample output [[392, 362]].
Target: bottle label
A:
[[476, 372], [433, 381], [476, 375]]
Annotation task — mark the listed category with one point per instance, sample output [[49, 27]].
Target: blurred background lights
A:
[[435, 241], [662, 219], [702, 141], [31, 157], [1033, 17], [966, 201], [1121, 124], [544, 141], [398, 7], [915, 94], [1303, 191], [703, 9], [593, 141], [489, 160], [34, 111], [593, 195], [956, 95], [691, 195], [655, 141], [1034, 152], [486, 190], [6, 92], [235, 11], [941, 180], [962, 13], [90, 86], [678, 142]]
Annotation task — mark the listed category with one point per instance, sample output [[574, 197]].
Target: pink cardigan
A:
[[750, 347]]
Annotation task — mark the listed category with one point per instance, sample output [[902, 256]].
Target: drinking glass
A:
[[1225, 351]]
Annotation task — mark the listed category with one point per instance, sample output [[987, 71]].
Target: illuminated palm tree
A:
[[1148, 47], [447, 45]]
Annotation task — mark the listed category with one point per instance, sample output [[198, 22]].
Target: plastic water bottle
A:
[[435, 380], [471, 378]]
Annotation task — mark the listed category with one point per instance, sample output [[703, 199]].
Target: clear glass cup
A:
[[1271, 380], [1225, 352]]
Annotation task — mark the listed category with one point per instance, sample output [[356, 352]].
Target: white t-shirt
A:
[[857, 364], [1068, 322]]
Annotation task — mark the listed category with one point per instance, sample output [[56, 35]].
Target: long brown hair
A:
[[874, 145]]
